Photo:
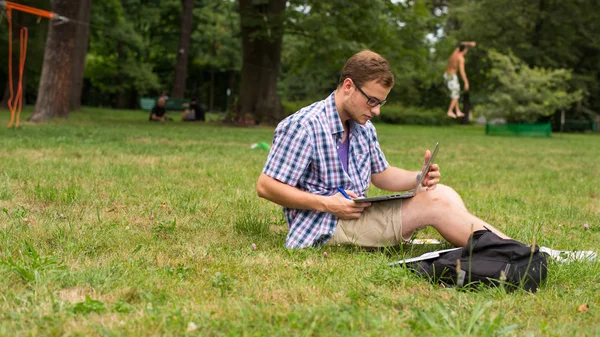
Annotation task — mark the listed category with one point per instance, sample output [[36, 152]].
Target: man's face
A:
[[357, 108]]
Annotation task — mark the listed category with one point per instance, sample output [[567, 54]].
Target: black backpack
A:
[[487, 259]]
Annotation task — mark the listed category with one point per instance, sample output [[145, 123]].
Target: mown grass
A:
[[113, 226]]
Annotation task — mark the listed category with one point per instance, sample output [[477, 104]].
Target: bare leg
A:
[[441, 208], [458, 112], [453, 104]]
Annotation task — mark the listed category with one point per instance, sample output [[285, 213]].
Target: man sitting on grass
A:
[[193, 112], [331, 144], [159, 113]]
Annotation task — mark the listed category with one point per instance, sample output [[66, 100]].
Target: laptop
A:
[[407, 194]]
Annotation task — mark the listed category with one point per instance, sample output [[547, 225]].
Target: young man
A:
[[456, 62], [193, 112], [331, 144]]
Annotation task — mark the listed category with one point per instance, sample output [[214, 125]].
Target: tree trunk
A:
[[81, 46], [120, 99], [262, 37], [230, 90], [211, 96], [183, 52], [56, 79]]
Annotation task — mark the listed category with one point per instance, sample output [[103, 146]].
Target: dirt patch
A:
[[76, 294]]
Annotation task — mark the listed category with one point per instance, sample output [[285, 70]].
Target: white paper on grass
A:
[[426, 256]]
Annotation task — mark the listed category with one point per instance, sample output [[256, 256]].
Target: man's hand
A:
[[432, 177], [343, 208], [467, 86]]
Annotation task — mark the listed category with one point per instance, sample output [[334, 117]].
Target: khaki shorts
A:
[[379, 226], [453, 85]]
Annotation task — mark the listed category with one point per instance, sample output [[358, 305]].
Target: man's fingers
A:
[[352, 194], [427, 156]]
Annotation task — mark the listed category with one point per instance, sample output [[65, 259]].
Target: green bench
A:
[[147, 103]]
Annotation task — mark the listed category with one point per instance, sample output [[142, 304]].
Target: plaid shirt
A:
[[304, 156]]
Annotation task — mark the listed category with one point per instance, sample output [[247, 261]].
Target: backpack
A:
[[490, 260]]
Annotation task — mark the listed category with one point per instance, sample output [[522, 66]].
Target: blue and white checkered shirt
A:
[[304, 156]]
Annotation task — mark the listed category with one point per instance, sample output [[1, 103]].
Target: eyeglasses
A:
[[371, 101]]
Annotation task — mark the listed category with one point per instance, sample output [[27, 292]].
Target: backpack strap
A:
[[460, 278]]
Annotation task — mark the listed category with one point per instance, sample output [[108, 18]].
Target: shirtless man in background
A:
[[456, 62]]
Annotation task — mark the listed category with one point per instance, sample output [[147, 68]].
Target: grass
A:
[[113, 226]]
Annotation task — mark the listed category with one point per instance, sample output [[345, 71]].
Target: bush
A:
[[290, 107], [522, 94], [398, 114], [391, 114]]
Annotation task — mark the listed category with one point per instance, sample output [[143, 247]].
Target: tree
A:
[[540, 32], [184, 49], [521, 94], [81, 47], [262, 28], [119, 63], [56, 80], [321, 35], [216, 46]]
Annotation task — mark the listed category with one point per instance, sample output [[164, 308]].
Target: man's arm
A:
[[395, 179], [291, 197], [469, 43]]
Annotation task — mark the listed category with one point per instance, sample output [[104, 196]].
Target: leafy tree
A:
[[543, 33], [322, 35], [120, 59], [215, 49], [521, 93]]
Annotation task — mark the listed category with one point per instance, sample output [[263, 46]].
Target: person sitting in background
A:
[[193, 112], [164, 95], [159, 113]]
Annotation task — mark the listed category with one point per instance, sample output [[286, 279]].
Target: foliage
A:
[[391, 114], [545, 34], [399, 114], [89, 305], [520, 93], [321, 35], [32, 266]]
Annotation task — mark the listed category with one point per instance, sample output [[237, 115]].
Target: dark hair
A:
[[193, 99], [366, 66], [462, 47]]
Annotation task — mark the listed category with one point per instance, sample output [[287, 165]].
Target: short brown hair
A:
[[366, 66]]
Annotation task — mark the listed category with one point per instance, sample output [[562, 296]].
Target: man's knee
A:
[[440, 197]]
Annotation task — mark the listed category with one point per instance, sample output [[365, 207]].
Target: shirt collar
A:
[[333, 117]]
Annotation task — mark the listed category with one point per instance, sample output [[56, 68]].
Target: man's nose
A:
[[376, 110]]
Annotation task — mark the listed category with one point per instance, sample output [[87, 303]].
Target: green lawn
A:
[[114, 226]]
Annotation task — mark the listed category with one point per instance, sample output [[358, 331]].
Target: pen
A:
[[341, 190]]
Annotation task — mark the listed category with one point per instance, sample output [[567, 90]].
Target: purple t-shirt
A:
[[342, 150]]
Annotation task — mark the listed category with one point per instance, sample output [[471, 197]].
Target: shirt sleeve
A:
[[378, 161], [290, 154]]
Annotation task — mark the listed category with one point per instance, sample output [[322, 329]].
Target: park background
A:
[[114, 226], [262, 60]]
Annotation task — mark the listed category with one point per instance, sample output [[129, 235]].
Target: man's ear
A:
[[347, 85]]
